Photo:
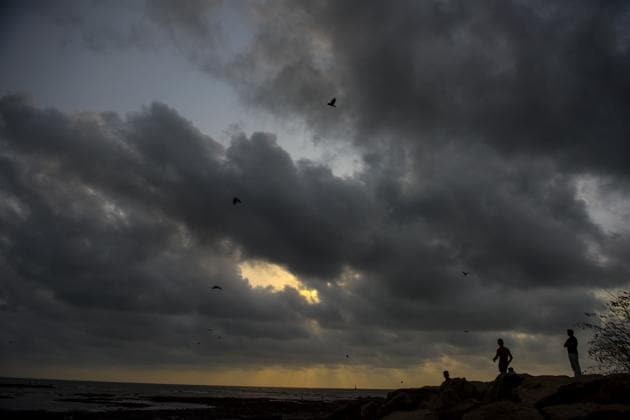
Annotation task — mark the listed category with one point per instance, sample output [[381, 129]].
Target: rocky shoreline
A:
[[514, 397]]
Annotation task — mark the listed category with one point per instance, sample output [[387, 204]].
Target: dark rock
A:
[[456, 411], [420, 414], [504, 388], [351, 410], [613, 389], [399, 402], [369, 410], [503, 410], [453, 392], [420, 397], [481, 387], [534, 389], [587, 411]]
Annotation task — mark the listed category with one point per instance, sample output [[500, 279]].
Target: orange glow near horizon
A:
[[308, 376], [299, 377]]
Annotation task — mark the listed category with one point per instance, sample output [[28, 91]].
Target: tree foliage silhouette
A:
[[610, 344]]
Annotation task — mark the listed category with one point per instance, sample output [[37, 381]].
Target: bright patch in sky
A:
[[264, 274], [608, 207]]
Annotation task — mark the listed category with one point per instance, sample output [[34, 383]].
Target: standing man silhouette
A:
[[571, 345], [504, 355]]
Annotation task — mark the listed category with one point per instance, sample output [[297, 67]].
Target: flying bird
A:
[[589, 313], [465, 273], [215, 287], [209, 329], [236, 201], [465, 331], [332, 102], [198, 342], [347, 356]]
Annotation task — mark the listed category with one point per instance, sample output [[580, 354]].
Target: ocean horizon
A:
[[84, 395]]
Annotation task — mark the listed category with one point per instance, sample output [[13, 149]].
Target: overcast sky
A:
[[489, 137]]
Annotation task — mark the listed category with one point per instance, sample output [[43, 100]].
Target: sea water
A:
[[60, 395]]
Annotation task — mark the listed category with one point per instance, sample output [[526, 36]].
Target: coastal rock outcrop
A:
[[512, 396]]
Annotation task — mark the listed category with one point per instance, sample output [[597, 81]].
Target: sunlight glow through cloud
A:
[[264, 274]]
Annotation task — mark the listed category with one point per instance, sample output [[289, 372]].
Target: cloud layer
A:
[[475, 126]]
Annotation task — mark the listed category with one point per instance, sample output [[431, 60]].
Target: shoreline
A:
[[208, 408], [508, 396]]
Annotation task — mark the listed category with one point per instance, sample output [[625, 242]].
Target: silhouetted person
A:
[[504, 355], [571, 345], [447, 379]]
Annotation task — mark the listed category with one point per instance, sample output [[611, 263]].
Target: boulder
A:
[[587, 411], [504, 387], [481, 387], [399, 402], [500, 410], [348, 411], [369, 410], [456, 411], [534, 389], [613, 389], [453, 392], [421, 414], [421, 397]]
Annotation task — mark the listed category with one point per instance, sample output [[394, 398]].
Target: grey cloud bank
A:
[[534, 78], [474, 124], [129, 221]]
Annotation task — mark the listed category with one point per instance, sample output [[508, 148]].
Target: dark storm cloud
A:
[[191, 26], [129, 221], [473, 121], [537, 78], [191, 15]]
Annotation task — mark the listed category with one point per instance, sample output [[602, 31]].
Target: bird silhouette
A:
[[332, 102], [465, 273], [236, 201], [465, 331], [198, 342], [589, 313], [209, 329], [347, 356], [215, 287]]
